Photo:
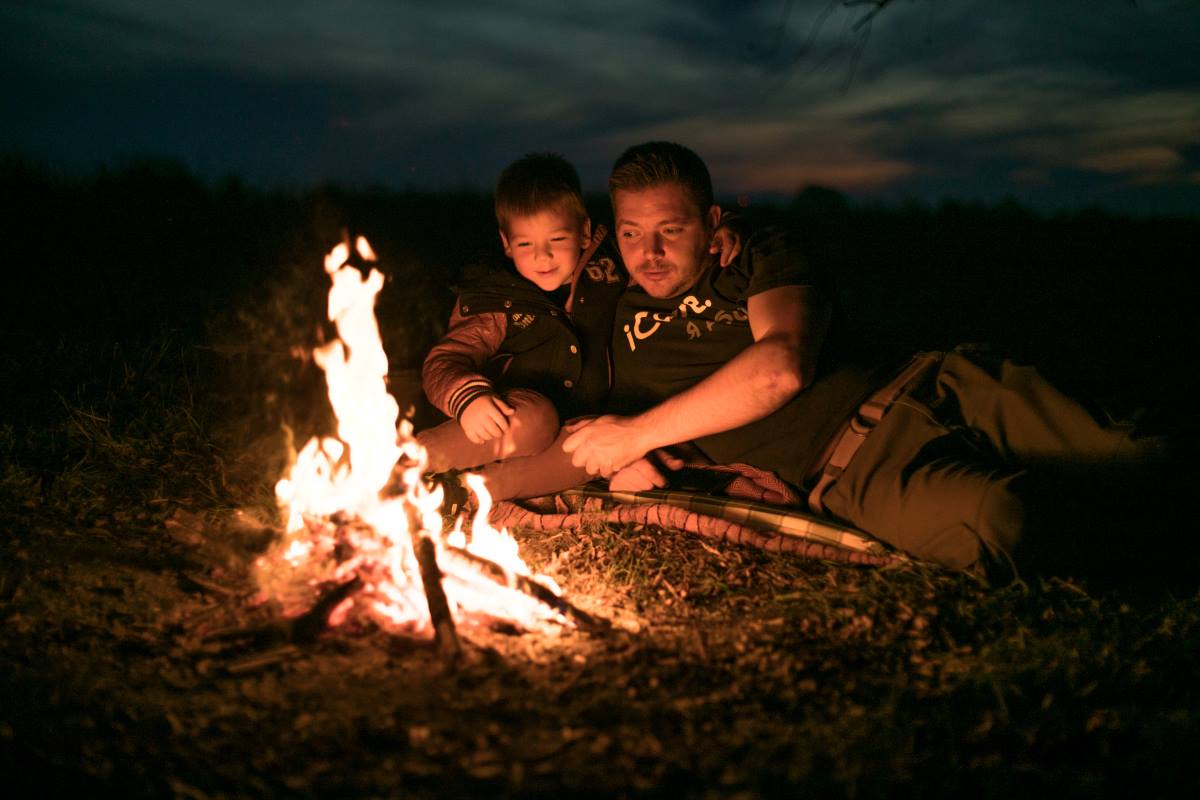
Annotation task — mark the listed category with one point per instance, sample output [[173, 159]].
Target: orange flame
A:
[[340, 521]]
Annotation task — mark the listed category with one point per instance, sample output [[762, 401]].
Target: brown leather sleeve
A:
[[452, 374]]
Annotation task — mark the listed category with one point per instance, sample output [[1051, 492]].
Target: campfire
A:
[[364, 539]]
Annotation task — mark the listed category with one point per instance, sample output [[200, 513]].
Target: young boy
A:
[[527, 343]]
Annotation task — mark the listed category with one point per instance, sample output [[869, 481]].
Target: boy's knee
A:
[[534, 426]]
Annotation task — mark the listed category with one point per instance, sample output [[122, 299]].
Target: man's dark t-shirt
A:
[[663, 346]]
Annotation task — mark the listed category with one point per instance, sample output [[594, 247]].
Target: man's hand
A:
[[639, 476], [645, 473], [726, 242], [485, 418], [605, 445]]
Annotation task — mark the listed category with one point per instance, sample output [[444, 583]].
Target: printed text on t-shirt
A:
[[646, 324]]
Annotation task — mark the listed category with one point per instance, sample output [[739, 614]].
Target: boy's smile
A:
[[545, 246]]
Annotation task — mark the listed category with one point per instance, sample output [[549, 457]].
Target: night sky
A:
[[1058, 104]]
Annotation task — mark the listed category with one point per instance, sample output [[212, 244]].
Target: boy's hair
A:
[[654, 163], [536, 183]]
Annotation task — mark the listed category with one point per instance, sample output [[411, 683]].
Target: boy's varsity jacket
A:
[[505, 333]]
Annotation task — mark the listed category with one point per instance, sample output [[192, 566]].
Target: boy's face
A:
[[663, 237], [545, 246]]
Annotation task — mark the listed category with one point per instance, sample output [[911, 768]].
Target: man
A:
[[749, 364]]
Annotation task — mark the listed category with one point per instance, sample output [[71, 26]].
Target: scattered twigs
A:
[[266, 658], [498, 574], [444, 632], [192, 579]]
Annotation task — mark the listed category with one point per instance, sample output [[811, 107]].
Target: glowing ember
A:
[[351, 503]]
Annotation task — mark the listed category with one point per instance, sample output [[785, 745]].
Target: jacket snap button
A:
[[574, 349], [568, 383], [508, 303]]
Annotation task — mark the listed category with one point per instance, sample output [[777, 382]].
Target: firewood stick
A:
[[498, 574], [213, 587], [264, 659], [299, 630], [306, 626], [444, 632]]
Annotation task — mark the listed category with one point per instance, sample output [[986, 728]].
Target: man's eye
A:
[[672, 231], [629, 234]]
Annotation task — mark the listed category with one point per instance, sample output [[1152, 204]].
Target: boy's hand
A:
[[485, 418], [728, 243]]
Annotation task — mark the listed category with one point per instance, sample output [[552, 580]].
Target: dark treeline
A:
[[106, 269], [1098, 299], [122, 253], [121, 257]]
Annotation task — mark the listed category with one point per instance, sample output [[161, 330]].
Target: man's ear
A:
[[713, 217], [504, 241]]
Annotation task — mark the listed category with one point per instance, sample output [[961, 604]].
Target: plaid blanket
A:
[[754, 508]]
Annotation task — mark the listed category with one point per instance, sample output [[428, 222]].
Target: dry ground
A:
[[729, 672]]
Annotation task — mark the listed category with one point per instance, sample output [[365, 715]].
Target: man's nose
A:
[[652, 245]]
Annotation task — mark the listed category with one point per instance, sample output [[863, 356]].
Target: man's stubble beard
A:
[[685, 283]]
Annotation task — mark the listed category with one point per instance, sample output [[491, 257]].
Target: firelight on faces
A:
[[545, 247], [663, 237]]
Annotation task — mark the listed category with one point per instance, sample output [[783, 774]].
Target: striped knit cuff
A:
[[463, 395]]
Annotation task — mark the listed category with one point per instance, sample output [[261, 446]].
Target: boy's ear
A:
[[504, 241], [587, 232]]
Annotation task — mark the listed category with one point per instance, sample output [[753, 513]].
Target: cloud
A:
[[801, 150], [1113, 129], [960, 96], [1135, 160]]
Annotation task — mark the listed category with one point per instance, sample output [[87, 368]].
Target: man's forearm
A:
[[789, 325], [757, 382]]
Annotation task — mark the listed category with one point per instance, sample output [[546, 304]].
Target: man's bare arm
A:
[[788, 323]]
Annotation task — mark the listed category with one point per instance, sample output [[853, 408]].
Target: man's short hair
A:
[[536, 183], [654, 163]]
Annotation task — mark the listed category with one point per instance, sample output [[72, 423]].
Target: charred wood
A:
[[526, 585], [299, 630]]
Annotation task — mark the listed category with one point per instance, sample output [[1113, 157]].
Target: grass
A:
[[135, 490]]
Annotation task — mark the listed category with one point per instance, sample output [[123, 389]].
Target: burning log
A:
[[300, 629], [444, 632], [522, 583], [309, 625]]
